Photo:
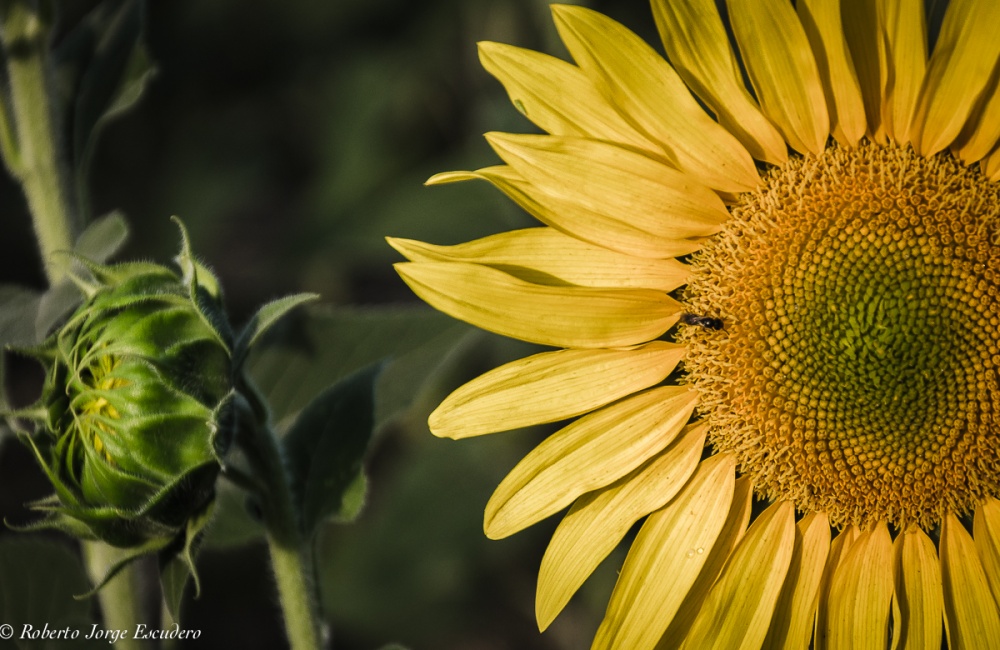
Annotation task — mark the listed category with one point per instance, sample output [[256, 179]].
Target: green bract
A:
[[138, 404]]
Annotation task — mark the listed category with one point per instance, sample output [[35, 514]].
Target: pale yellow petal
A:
[[866, 40], [738, 610], [570, 216], [783, 71], [917, 599], [839, 547], [599, 520], [666, 557], [821, 20], [986, 530], [982, 130], [794, 615], [618, 184], [861, 594], [648, 91], [718, 556], [590, 453], [959, 69], [547, 256], [697, 45], [551, 386], [558, 96], [557, 316], [972, 620], [906, 60]]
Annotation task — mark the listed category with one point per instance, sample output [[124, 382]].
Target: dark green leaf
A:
[[38, 581], [18, 311], [325, 448], [177, 566], [315, 347], [232, 524]]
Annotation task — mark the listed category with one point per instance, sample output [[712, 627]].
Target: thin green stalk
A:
[[291, 551], [38, 162], [121, 609]]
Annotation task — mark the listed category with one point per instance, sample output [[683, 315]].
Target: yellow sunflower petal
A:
[[971, 616], [577, 108], [650, 93], [697, 45], [718, 556], [982, 130], [959, 69], [861, 594], [590, 453], [839, 547], [617, 183], [557, 316], [862, 28], [738, 610], [821, 20], [666, 558], [783, 71], [918, 597], [547, 256], [990, 166], [906, 57], [986, 530], [599, 520], [568, 215], [794, 615], [551, 386]]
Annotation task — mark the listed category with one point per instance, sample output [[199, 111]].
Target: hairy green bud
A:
[[138, 405]]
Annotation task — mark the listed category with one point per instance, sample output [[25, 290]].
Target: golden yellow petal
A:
[[861, 594], [783, 71], [666, 557], [990, 166], [621, 185], [697, 45], [547, 256], [568, 215], [959, 69], [906, 58], [648, 92], [918, 609], [558, 316], [732, 532], [986, 530], [558, 96], [971, 616], [863, 30], [551, 386], [599, 520], [821, 20], [794, 615], [590, 453], [839, 547], [982, 130], [738, 610]]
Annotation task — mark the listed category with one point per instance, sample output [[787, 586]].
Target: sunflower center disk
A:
[[857, 371]]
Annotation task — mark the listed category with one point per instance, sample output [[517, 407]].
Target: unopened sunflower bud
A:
[[137, 405]]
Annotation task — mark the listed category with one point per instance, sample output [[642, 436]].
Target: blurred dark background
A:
[[292, 137]]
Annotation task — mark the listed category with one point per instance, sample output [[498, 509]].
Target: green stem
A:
[[121, 609], [291, 551], [37, 158]]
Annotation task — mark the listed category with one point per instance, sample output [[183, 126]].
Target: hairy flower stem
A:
[[31, 144], [291, 551], [35, 154], [120, 605]]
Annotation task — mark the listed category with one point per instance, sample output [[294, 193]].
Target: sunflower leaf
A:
[[27, 599]]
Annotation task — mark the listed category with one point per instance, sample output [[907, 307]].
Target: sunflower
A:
[[776, 320]]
